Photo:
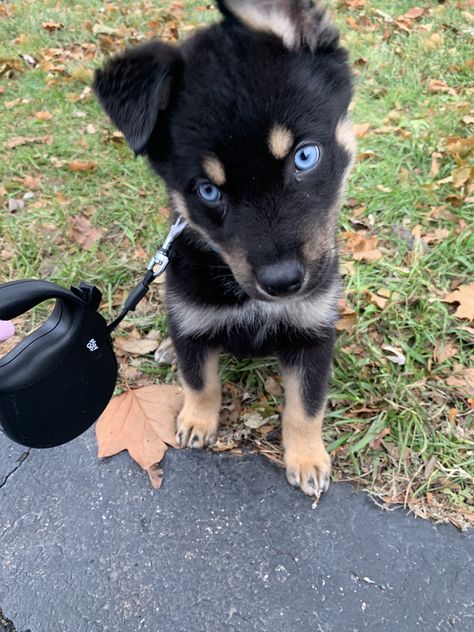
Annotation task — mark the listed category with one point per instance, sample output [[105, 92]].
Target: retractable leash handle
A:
[[59, 379]]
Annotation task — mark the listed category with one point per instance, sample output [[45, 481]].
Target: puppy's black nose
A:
[[282, 278]]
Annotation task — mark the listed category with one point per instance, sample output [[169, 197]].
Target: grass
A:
[[401, 431]]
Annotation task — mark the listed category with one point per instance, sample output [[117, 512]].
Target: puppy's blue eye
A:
[[307, 157], [209, 192]]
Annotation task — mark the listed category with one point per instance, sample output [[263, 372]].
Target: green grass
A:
[[425, 457]]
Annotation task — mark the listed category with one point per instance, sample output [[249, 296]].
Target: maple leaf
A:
[[141, 421], [464, 295]]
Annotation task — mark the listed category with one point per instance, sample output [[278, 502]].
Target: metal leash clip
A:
[[161, 259]]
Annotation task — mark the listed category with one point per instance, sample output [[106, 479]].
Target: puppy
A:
[[247, 124]]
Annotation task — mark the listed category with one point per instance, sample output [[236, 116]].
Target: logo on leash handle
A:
[[92, 345]]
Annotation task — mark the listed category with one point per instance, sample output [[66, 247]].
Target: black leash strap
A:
[[156, 268]]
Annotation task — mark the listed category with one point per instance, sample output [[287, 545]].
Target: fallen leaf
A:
[[17, 141], [15, 205], [460, 146], [142, 422], [464, 295], [438, 85], [462, 381], [253, 420], [434, 170], [362, 248], [375, 299], [414, 13], [43, 115], [361, 129], [272, 387], [396, 355], [461, 175], [83, 232], [81, 165], [156, 476], [375, 443], [31, 183], [137, 347], [52, 26], [444, 350]]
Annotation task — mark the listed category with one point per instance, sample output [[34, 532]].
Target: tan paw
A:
[[195, 431], [309, 470]]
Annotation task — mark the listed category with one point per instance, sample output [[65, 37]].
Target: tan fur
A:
[[280, 141], [214, 170], [199, 418], [346, 138], [275, 21], [283, 18], [306, 458]]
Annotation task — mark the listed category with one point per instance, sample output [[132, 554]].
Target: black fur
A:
[[228, 87]]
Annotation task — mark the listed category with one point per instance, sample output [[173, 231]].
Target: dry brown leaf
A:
[[142, 422], [361, 129], [81, 165], [461, 175], [434, 170], [137, 347], [464, 295], [375, 299], [347, 318], [443, 351], [438, 85], [83, 232], [155, 474], [362, 248], [462, 381], [272, 387], [31, 183], [44, 115], [395, 355], [16, 141], [460, 146], [414, 13], [52, 26]]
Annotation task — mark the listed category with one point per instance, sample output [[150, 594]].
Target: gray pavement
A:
[[88, 546]]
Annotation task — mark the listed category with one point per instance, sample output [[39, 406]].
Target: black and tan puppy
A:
[[247, 124]]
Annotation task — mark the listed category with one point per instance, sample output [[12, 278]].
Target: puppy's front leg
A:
[[198, 420], [306, 373]]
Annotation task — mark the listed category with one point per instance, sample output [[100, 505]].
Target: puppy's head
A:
[[247, 124]]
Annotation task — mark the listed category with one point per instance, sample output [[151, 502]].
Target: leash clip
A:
[[161, 259]]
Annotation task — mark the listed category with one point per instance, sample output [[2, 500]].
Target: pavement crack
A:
[[20, 462]]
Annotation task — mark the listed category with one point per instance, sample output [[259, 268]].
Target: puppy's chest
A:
[[254, 324]]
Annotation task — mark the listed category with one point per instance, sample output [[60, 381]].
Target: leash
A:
[[157, 266]]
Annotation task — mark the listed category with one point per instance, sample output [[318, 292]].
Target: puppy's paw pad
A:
[[311, 475], [194, 433]]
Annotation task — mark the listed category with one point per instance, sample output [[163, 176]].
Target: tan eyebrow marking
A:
[[280, 141], [214, 170], [345, 136]]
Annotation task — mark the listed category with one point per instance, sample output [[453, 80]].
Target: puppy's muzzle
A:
[[281, 279]]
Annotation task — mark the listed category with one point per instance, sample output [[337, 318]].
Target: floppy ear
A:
[[298, 23], [135, 86]]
